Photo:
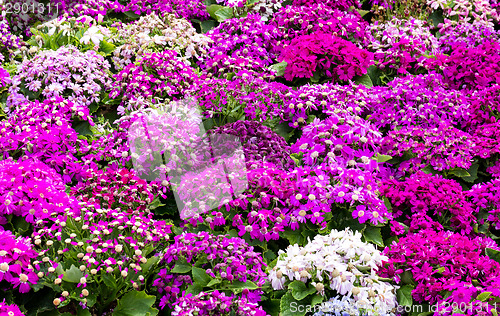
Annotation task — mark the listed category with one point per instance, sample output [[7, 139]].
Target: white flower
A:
[[92, 35]]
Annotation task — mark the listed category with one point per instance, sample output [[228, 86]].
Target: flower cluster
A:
[[422, 100], [429, 196], [469, 66], [438, 260], [338, 262], [16, 256], [79, 77], [155, 75], [295, 21], [11, 310], [444, 147], [105, 244], [227, 260], [247, 97], [241, 44], [31, 190], [486, 198], [115, 188], [324, 55], [43, 131], [205, 304], [455, 34], [399, 45], [155, 33], [259, 143]]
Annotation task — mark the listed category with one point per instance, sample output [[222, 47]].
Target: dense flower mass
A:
[[250, 157], [439, 261], [324, 55], [339, 262]]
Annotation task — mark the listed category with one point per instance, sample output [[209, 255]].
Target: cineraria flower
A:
[[295, 21], [241, 44], [10, 310], [398, 44], [137, 84], [104, 244], [430, 195], [46, 134], [337, 264], [32, 190], [436, 260], [443, 147], [324, 55], [155, 33], [225, 258], [205, 304], [92, 35], [66, 72], [16, 257]]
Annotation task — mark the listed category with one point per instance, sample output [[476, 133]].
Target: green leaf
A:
[[224, 14], [404, 295], [213, 282], [300, 291], [238, 285], [135, 303], [106, 47], [483, 296], [459, 172], [212, 9], [382, 158], [473, 173], [373, 234], [73, 275], [362, 12], [279, 68], [317, 299], [272, 307], [200, 276], [364, 80], [132, 15], [109, 280], [289, 306], [82, 127], [182, 266], [493, 254], [294, 236], [207, 25]]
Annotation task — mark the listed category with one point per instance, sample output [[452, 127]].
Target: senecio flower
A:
[[16, 255], [10, 310], [92, 35], [339, 263]]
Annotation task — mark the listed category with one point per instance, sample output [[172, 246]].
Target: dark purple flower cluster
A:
[[215, 303], [324, 55], [259, 143], [223, 258], [431, 197]]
